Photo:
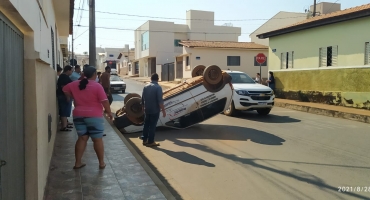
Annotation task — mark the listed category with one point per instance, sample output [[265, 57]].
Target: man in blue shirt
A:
[[152, 102], [76, 74]]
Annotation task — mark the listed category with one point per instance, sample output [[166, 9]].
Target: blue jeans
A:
[[150, 123]]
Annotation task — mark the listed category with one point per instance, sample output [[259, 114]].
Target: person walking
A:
[[65, 105], [90, 99], [76, 74], [105, 82], [258, 78], [152, 102], [271, 81]]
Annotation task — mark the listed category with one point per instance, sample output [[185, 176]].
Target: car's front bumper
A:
[[253, 102]]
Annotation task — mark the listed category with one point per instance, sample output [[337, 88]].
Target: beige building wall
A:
[[39, 81], [350, 36], [280, 20], [210, 56]]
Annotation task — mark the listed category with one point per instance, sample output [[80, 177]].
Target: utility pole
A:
[[73, 57], [92, 35], [314, 8]]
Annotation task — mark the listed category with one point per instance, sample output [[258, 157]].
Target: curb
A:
[[325, 112], [161, 186]]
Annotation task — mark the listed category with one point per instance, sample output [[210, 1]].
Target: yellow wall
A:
[[350, 36]]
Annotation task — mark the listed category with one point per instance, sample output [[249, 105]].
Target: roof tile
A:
[[222, 44]]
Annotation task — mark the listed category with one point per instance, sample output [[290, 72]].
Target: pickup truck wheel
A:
[[213, 88], [134, 108], [231, 110], [212, 74], [264, 111], [129, 96], [198, 71]]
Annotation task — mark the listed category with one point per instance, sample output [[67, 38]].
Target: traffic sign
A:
[[260, 58]]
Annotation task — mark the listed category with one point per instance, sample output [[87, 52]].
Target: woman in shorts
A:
[[89, 98]]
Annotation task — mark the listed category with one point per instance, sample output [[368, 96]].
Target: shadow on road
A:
[[271, 118], [218, 132], [185, 157], [294, 174]]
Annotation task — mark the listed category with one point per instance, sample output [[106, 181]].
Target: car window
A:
[[241, 78], [115, 78]]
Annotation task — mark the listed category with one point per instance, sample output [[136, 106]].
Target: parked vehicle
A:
[[249, 95], [189, 103], [117, 84]]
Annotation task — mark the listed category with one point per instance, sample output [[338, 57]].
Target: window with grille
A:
[[328, 56], [286, 60], [367, 53], [233, 60]]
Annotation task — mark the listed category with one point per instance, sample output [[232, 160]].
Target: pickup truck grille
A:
[[261, 97], [259, 92]]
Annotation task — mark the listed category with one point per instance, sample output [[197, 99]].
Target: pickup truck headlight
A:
[[242, 92]]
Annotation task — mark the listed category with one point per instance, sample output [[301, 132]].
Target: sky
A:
[[247, 14]]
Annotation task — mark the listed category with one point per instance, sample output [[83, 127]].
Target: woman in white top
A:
[[258, 78]]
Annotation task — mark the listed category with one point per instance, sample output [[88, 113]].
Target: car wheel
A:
[[231, 110], [212, 74], [198, 71], [123, 91], [213, 88], [264, 111], [134, 108], [129, 96]]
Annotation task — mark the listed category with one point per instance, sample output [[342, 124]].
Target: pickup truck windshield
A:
[[115, 78], [241, 78]]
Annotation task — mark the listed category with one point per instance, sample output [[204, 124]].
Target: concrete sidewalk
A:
[[126, 175], [360, 115]]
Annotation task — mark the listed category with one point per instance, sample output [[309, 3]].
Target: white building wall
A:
[[280, 20], [211, 56], [40, 79]]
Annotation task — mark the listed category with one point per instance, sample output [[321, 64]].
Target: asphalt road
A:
[[286, 155]]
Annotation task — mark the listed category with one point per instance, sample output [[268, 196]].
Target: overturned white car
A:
[[205, 95]]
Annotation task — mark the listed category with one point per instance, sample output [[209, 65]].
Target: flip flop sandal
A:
[[69, 126], [70, 123], [65, 129], [102, 167], [83, 165]]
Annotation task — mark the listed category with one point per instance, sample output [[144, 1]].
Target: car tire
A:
[[214, 88], [134, 108], [231, 111], [198, 71], [129, 96], [212, 74], [264, 111]]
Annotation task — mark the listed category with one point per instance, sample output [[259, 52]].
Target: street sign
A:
[[261, 58]]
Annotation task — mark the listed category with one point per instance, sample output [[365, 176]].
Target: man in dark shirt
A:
[[152, 101], [105, 82], [65, 105]]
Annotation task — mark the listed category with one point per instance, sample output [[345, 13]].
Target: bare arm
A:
[[107, 110], [68, 95]]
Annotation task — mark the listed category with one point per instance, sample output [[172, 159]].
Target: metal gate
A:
[[179, 69], [168, 72], [12, 175]]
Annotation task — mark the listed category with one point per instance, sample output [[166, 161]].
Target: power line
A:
[[126, 29], [81, 33], [112, 13]]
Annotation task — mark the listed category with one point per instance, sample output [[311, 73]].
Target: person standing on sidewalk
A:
[[152, 102], [65, 105], [105, 82], [271, 81], [76, 74], [90, 99]]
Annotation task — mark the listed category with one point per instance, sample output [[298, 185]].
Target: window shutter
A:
[[323, 57], [334, 56], [283, 60], [367, 53], [290, 59]]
